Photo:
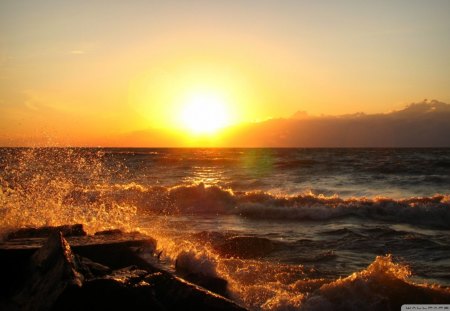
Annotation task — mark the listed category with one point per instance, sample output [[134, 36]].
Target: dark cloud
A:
[[424, 124]]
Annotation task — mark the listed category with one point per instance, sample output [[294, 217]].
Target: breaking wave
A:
[[433, 211], [52, 187], [265, 285], [383, 285]]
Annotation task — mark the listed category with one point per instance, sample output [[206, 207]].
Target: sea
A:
[[288, 229]]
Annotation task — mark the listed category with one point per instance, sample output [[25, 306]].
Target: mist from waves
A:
[[57, 186]]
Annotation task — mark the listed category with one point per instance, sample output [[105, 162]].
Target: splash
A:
[[60, 186], [433, 211], [384, 285], [260, 284], [256, 284]]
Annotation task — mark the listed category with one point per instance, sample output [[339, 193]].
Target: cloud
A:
[[423, 124]]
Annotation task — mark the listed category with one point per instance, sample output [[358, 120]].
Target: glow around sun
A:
[[204, 113]]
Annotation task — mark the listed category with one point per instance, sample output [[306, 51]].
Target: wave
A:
[[265, 285], [383, 285], [51, 186], [63, 202], [431, 211]]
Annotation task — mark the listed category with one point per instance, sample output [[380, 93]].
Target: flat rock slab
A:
[[115, 251], [66, 230], [132, 239], [99, 248]]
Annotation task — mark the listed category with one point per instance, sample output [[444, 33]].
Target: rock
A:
[[245, 247], [118, 254], [238, 246], [111, 251], [67, 231], [214, 284], [92, 269], [176, 294], [135, 289], [13, 270], [109, 232], [212, 237], [103, 272], [123, 289], [51, 270]]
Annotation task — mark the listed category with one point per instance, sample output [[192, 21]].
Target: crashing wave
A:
[[431, 211], [384, 285]]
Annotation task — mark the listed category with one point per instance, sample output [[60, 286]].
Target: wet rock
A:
[[214, 284], [66, 230], [51, 270], [13, 270], [103, 272], [135, 289], [118, 254], [92, 269], [209, 237], [245, 247], [123, 289], [109, 232], [176, 294]]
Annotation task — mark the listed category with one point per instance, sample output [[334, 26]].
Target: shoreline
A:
[[63, 268], [42, 269]]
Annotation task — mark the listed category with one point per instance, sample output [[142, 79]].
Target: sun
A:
[[204, 113]]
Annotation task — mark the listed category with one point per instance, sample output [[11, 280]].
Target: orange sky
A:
[[75, 72]]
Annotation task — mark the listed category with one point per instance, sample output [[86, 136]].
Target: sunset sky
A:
[[75, 72]]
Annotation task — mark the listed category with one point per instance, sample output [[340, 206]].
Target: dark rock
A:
[[13, 270], [109, 232], [245, 247], [124, 289], [176, 294], [118, 254], [212, 283], [108, 251], [209, 237], [92, 269], [67, 231], [59, 277], [135, 289], [52, 269]]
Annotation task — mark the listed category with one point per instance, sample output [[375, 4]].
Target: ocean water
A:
[[289, 229]]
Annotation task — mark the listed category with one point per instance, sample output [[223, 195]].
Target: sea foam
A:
[[384, 285]]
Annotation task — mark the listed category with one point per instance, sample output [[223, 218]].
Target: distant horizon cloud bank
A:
[[421, 124], [425, 106]]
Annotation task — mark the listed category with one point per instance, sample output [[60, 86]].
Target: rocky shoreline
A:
[[63, 268]]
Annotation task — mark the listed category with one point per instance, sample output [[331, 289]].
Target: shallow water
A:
[[278, 224]]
